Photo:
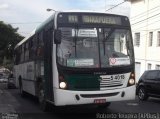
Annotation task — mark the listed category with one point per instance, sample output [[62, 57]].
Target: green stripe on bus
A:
[[82, 82]]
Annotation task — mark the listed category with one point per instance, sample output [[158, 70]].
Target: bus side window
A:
[[17, 56], [35, 46], [24, 45], [40, 45], [41, 39], [26, 51], [31, 49], [21, 53]]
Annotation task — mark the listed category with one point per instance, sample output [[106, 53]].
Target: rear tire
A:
[[142, 94]]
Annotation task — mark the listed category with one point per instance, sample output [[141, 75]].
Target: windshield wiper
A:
[[106, 38], [109, 34]]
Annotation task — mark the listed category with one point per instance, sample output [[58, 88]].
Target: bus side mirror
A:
[[57, 36]]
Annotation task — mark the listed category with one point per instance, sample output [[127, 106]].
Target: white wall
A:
[[145, 19]]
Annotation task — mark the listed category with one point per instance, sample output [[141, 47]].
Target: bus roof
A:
[[25, 39], [89, 11], [38, 28]]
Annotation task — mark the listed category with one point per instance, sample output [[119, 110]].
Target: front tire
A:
[[41, 97], [142, 94], [103, 106]]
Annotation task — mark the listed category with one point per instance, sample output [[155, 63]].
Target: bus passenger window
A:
[[31, 49]]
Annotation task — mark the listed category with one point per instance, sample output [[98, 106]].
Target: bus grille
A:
[[108, 82], [99, 95]]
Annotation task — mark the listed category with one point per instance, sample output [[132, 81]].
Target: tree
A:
[[8, 40]]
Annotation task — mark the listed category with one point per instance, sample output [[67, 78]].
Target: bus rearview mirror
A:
[[57, 36]]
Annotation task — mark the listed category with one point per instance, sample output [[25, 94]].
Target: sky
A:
[[28, 14]]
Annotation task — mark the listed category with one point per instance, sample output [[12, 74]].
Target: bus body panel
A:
[[66, 97], [16, 75], [26, 71], [29, 87], [92, 82]]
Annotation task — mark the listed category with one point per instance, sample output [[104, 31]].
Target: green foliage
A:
[[8, 40]]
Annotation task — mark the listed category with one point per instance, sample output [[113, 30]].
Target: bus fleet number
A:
[[118, 77]]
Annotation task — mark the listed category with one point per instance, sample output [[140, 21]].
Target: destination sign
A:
[[89, 19], [72, 18], [101, 19]]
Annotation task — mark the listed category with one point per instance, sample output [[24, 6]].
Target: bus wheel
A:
[[41, 98], [102, 106]]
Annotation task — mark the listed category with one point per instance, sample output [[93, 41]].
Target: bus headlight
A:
[[131, 81], [63, 85]]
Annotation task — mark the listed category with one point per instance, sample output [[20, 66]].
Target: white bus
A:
[[76, 58]]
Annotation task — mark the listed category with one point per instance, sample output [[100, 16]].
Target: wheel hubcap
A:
[[141, 94]]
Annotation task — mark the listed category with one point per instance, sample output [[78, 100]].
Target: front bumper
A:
[[67, 97]]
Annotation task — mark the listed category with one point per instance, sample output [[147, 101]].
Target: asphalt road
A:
[[27, 108]]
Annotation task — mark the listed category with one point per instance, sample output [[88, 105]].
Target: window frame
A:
[[150, 43], [149, 65], [157, 67], [137, 36], [158, 38]]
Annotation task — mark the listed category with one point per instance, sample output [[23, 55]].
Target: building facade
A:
[[145, 23]]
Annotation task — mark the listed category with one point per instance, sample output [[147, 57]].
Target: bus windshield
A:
[[94, 47]]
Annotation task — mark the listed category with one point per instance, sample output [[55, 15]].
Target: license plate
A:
[[97, 101]]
